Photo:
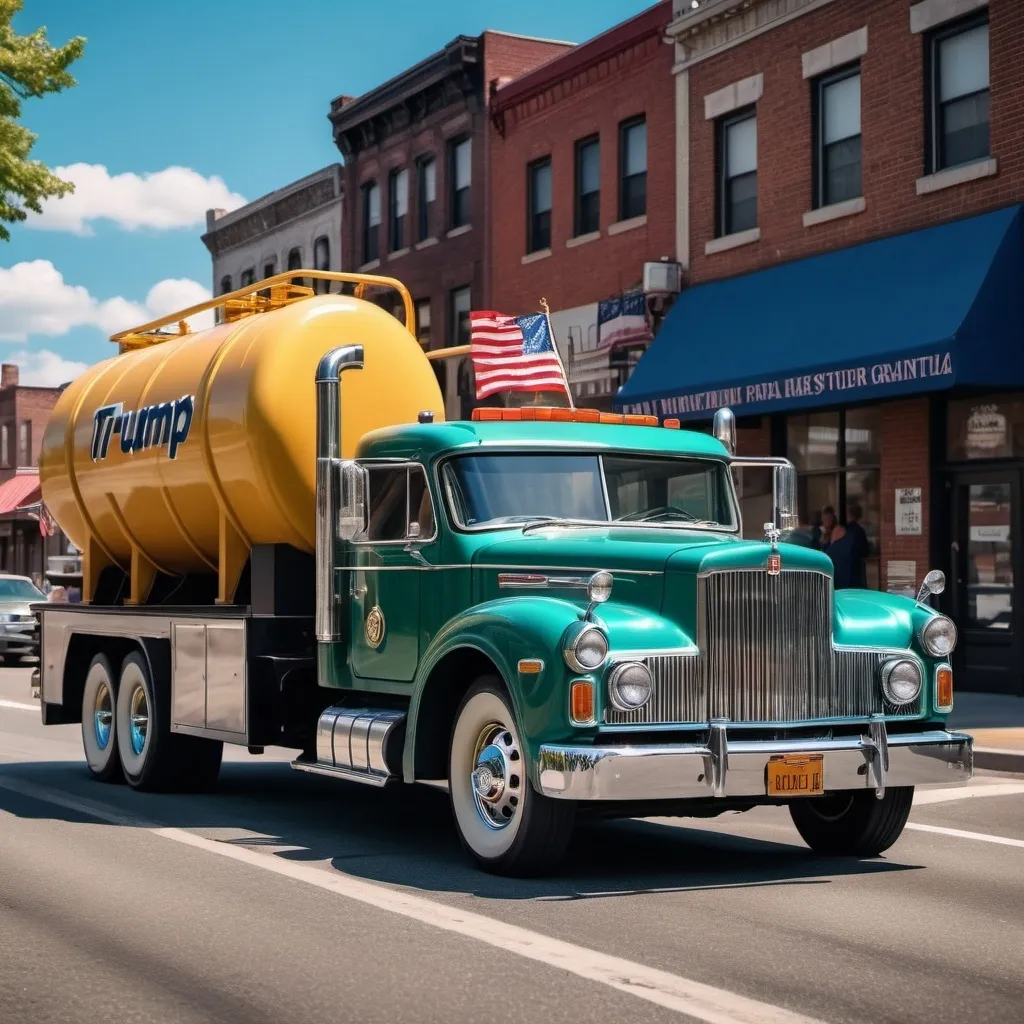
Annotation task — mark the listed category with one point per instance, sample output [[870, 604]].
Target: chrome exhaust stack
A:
[[328, 482]]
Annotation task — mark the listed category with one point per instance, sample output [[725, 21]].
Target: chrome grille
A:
[[765, 655]]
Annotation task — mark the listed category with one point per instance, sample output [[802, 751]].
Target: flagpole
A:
[[554, 344]]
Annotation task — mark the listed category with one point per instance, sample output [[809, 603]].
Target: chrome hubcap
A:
[[103, 715], [497, 776], [139, 720]]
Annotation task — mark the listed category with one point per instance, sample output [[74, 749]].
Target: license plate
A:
[[796, 775]]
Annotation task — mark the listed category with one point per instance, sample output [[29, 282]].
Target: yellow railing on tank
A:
[[279, 290]]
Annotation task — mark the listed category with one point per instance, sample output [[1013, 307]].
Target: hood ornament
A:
[[771, 536]]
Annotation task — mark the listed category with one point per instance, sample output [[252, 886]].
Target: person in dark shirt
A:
[[848, 547], [861, 547]]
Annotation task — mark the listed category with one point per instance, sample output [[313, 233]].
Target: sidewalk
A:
[[997, 724]]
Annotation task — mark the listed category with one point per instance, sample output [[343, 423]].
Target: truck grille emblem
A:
[[774, 564]]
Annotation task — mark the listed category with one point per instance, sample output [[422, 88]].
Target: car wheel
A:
[[99, 726], [853, 824], [503, 823]]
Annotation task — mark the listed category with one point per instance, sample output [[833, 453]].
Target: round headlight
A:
[[587, 650], [629, 686], [901, 681], [939, 636], [599, 587]]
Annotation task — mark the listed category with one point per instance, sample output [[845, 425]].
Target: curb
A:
[[999, 760]]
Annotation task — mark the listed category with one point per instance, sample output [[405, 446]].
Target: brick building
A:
[[582, 153], [849, 174], [24, 412], [417, 188]]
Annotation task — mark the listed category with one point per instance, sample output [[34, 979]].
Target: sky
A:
[[186, 105]]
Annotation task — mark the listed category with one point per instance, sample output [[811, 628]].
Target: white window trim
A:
[[930, 14], [398, 253], [590, 236], [951, 176], [733, 97], [426, 243], [834, 211], [621, 226], [455, 232], [844, 50], [733, 241], [372, 265], [532, 257]]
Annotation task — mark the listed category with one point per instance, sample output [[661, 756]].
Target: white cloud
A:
[[35, 299], [44, 368], [176, 197]]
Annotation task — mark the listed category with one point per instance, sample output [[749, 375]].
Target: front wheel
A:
[[507, 827], [853, 824]]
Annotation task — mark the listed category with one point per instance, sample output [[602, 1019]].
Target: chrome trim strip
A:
[[681, 771], [617, 574], [350, 744]]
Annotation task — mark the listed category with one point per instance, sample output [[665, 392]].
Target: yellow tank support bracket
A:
[[261, 297]]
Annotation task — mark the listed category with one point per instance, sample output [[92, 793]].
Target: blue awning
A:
[[917, 312]]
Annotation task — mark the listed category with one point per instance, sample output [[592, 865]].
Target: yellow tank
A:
[[178, 456]]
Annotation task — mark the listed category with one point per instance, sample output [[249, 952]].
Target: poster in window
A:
[[908, 512]]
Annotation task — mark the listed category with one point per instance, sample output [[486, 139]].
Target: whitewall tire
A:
[[99, 726]]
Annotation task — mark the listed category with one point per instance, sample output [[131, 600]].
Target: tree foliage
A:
[[29, 67]]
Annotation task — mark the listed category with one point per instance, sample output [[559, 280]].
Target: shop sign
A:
[[844, 384], [908, 511], [994, 534], [986, 430], [901, 578]]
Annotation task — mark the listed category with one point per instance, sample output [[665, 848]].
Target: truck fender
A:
[[497, 634]]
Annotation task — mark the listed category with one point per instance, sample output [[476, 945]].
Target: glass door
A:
[[985, 562]]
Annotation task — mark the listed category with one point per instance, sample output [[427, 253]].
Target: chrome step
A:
[[351, 743]]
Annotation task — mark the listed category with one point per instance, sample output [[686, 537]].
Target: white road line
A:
[[693, 998], [968, 792], [982, 837], [18, 706]]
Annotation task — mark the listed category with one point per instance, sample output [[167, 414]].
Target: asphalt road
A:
[[286, 897]]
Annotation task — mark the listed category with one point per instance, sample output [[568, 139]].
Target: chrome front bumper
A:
[[727, 767]]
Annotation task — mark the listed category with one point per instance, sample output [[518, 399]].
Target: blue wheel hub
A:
[[103, 715]]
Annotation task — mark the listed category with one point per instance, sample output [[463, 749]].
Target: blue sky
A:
[[237, 92]]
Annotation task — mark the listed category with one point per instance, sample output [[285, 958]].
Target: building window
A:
[[538, 227], [461, 175], [837, 133], [295, 259], [632, 168], [398, 208], [5, 446], [248, 277], [225, 284], [25, 443], [269, 268], [423, 322], [958, 89], [737, 173], [426, 194], [588, 186], [371, 221], [321, 261], [837, 456], [458, 321]]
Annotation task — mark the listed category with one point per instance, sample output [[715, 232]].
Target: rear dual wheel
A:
[[98, 726]]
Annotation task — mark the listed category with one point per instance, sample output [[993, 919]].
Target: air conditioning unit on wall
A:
[[662, 283]]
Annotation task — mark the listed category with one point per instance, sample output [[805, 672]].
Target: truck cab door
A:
[[388, 573]]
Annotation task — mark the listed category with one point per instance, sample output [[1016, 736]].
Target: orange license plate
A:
[[796, 775]]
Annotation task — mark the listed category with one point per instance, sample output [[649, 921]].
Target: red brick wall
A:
[[511, 56], [892, 123], [566, 106], [905, 463], [17, 404]]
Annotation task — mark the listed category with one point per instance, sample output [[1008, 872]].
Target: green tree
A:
[[29, 66]]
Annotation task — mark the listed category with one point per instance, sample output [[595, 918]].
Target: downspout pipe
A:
[[328, 456]]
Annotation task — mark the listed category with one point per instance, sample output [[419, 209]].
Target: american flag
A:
[[514, 353], [622, 321]]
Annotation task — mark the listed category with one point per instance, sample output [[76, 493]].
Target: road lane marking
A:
[[18, 706], [671, 991], [939, 796], [957, 833]]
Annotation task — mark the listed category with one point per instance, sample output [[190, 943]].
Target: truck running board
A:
[[358, 744]]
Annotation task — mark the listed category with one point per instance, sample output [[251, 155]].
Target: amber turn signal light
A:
[[581, 701], [944, 688]]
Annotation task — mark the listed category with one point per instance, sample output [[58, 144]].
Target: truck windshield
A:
[[503, 489]]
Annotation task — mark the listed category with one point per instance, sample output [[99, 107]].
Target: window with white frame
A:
[[588, 186], [5, 446], [426, 195], [958, 88], [737, 172], [398, 208], [837, 131], [423, 322], [632, 168], [25, 443], [538, 235], [460, 172], [371, 221]]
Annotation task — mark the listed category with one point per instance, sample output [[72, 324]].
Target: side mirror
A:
[[933, 583], [352, 520], [784, 498]]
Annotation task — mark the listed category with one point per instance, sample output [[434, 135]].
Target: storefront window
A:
[[837, 456], [991, 427]]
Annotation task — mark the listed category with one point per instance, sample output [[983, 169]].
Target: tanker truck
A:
[[551, 611]]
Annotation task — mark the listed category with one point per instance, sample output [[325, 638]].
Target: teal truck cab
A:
[[558, 617]]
